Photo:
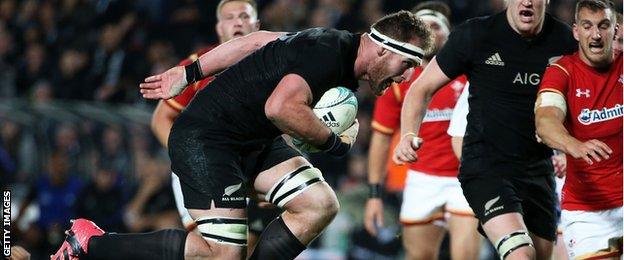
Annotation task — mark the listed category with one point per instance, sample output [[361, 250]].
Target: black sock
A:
[[164, 244], [277, 243]]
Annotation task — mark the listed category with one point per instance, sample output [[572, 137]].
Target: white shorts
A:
[[587, 233], [187, 220], [558, 188], [427, 199]]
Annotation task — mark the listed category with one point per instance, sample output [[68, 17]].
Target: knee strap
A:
[[513, 241], [231, 231], [292, 184]]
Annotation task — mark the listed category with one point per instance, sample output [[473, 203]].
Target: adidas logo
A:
[[330, 120], [495, 60]]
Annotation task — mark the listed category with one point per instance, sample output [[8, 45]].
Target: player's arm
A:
[[171, 82], [414, 109], [377, 158], [550, 114], [162, 121], [288, 108]]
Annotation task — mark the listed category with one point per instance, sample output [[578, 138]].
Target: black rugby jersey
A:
[[504, 71], [233, 103]]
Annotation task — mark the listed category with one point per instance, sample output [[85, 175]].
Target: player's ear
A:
[[257, 25], [218, 29], [575, 32]]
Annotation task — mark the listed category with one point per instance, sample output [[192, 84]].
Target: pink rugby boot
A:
[[77, 239]]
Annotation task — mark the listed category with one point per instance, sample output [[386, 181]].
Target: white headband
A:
[[434, 16], [402, 48]]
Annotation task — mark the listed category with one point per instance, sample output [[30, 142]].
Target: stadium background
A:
[[74, 131]]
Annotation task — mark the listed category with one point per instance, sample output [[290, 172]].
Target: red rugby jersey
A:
[[182, 100], [436, 156], [594, 100]]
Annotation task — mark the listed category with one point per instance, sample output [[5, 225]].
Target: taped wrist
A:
[[334, 146], [193, 72], [375, 191]]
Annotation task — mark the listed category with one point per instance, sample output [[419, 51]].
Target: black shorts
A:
[[531, 194], [220, 169]]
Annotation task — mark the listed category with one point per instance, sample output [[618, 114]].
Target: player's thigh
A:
[[490, 196], [465, 240], [494, 199], [592, 234], [422, 241], [286, 176], [296, 186], [539, 199]]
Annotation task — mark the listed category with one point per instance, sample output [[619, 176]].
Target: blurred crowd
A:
[[74, 131]]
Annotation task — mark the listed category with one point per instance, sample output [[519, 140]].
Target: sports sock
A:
[[277, 243], [164, 244]]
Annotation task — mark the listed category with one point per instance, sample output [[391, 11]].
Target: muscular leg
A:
[[543, 247], [305, 216], [422, 241], [201, 247], [502, 225], [560, 252], [465, 240]]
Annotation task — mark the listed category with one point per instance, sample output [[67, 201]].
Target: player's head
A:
[[436, 15], [594, 28], [236, 18], [399, 41], [619, 36], [526, 16]]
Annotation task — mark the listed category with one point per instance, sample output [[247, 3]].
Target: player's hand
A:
[[589, 151], [350, 134], [373, 215], [165, 85], [19, 253], [560, 164], [405, 151]]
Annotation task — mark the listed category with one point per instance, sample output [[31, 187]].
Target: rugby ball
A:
[[337, 109]]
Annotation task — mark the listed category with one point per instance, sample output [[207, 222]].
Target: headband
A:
[[434, 16], [402, 48]]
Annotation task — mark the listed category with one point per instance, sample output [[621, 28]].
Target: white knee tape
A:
[[231, 231], [293, 184], [513, 241]]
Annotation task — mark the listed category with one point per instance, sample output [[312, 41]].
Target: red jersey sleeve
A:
[[555, 78], [387, 112]]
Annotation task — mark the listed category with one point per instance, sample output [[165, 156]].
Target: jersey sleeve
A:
[[454, 57], [457, 126], [387, 111], [555, 79]]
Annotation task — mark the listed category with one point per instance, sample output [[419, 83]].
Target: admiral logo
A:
[[330, 120], [495, 60], [584, 93], [588, 117], [437, 115]]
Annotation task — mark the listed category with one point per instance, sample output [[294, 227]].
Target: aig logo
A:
[[526, 78]]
